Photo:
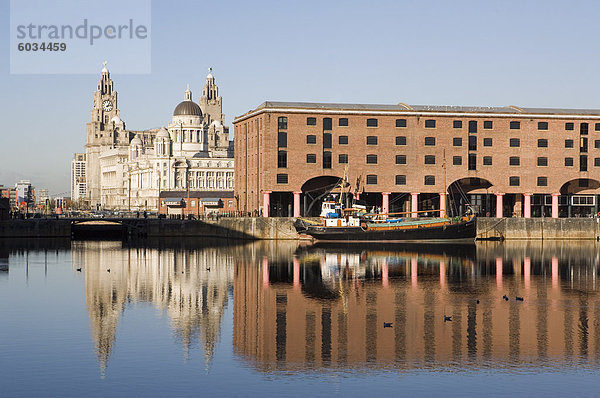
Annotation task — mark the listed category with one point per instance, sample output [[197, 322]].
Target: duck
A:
[[519, 298], [78, 269], [447, 318], [387, 324], [505, 297]]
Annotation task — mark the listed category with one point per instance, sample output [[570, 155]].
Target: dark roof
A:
[[197, 194], [187, 108], [400, 107]]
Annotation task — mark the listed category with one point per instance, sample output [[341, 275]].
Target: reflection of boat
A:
[[351, 225]]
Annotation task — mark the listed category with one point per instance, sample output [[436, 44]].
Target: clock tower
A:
[[104, 130]]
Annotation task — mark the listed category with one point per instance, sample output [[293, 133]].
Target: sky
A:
[[484, 53]]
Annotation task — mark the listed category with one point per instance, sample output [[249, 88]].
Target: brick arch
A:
[[470, 184], [580, 185]]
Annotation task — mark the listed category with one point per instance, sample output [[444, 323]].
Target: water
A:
[[276, 319]]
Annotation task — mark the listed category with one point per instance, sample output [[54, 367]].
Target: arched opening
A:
[[476, 192], [314, 191], [579, 198]]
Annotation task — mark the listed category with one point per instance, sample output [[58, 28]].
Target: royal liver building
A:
[[127, 169]]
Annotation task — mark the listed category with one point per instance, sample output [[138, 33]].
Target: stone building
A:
[[127, 169], [78, 184], [505, 161]]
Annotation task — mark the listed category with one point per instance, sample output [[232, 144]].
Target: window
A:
[[581, 200], [343, 140], [487, 142], [371, 179], [327, 124], [371, 159], [311, 139], [457, 160], [326, 140], [430, 124], [542, 125], [515, 142], [542, 181], [282, 123], [457, 124], [583, 128], [457, 141], [311, 121], [400, 140], [597, 144], [371, 122], [487, 125], [326, 159], [372, 140], [429, 141], [568, 161], [596, 162], [514, 161], [400, 159], [472, 162], [583, 164], [568, 143], [542, 143], [343, 158], [429, 159], [487, 160], [311, 158], [597, 127], [343, 122], [429, 180], [542, 161], [514, 181], [281, 159], [569, 126], [400, 180], [472, 126], [282, 139], [515, 125], [282, 178], [400, 122], [472, 143]]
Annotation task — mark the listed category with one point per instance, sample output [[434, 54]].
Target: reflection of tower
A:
[[192, 286]]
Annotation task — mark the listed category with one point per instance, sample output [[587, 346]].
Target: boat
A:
[[337, 223]]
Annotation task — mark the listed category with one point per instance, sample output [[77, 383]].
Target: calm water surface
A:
[[278, 319]]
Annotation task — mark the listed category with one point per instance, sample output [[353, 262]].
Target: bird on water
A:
[[78, 269], [519, 298], [447, 318], [108, 270], [387, 324], [505, 297]]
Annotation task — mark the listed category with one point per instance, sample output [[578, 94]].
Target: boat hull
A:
[[459, 232]]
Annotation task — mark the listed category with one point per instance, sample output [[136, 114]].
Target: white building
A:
[[127, 169], [78, 185]]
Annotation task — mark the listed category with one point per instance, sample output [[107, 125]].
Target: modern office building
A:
[[505, 161], [78, 183]]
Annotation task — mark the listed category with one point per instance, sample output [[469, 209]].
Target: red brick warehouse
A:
[[506, 161]]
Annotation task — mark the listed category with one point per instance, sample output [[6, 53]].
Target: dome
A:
[[136, 141], [187, 108], [163, 133]]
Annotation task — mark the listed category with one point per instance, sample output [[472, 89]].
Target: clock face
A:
[[107, 106]]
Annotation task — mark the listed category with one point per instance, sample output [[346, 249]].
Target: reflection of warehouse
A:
[[508, 160], [288, 316], [190, 285]]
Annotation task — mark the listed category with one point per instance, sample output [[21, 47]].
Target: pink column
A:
[[555, 272], [265, 272], [527, 212], [384, 273], [413, 271], [443, 204], [297, 204], [266, 203], [414, 204], [527, 272], [555, 205], [296, 273], [357, 195], [386, 202], [499, 272], [442, 274], [499, 212]]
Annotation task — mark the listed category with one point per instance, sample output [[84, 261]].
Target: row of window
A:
[[311, 158], [431, 123], [430, 141]]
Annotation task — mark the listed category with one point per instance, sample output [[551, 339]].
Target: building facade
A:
[[126, 169], [505, 161], [78, 184]]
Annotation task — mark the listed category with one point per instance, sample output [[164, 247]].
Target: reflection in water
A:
[[301, 308], [325, 307], [191, 285]]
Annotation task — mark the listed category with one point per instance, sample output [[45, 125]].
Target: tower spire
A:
[[188, 93]]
